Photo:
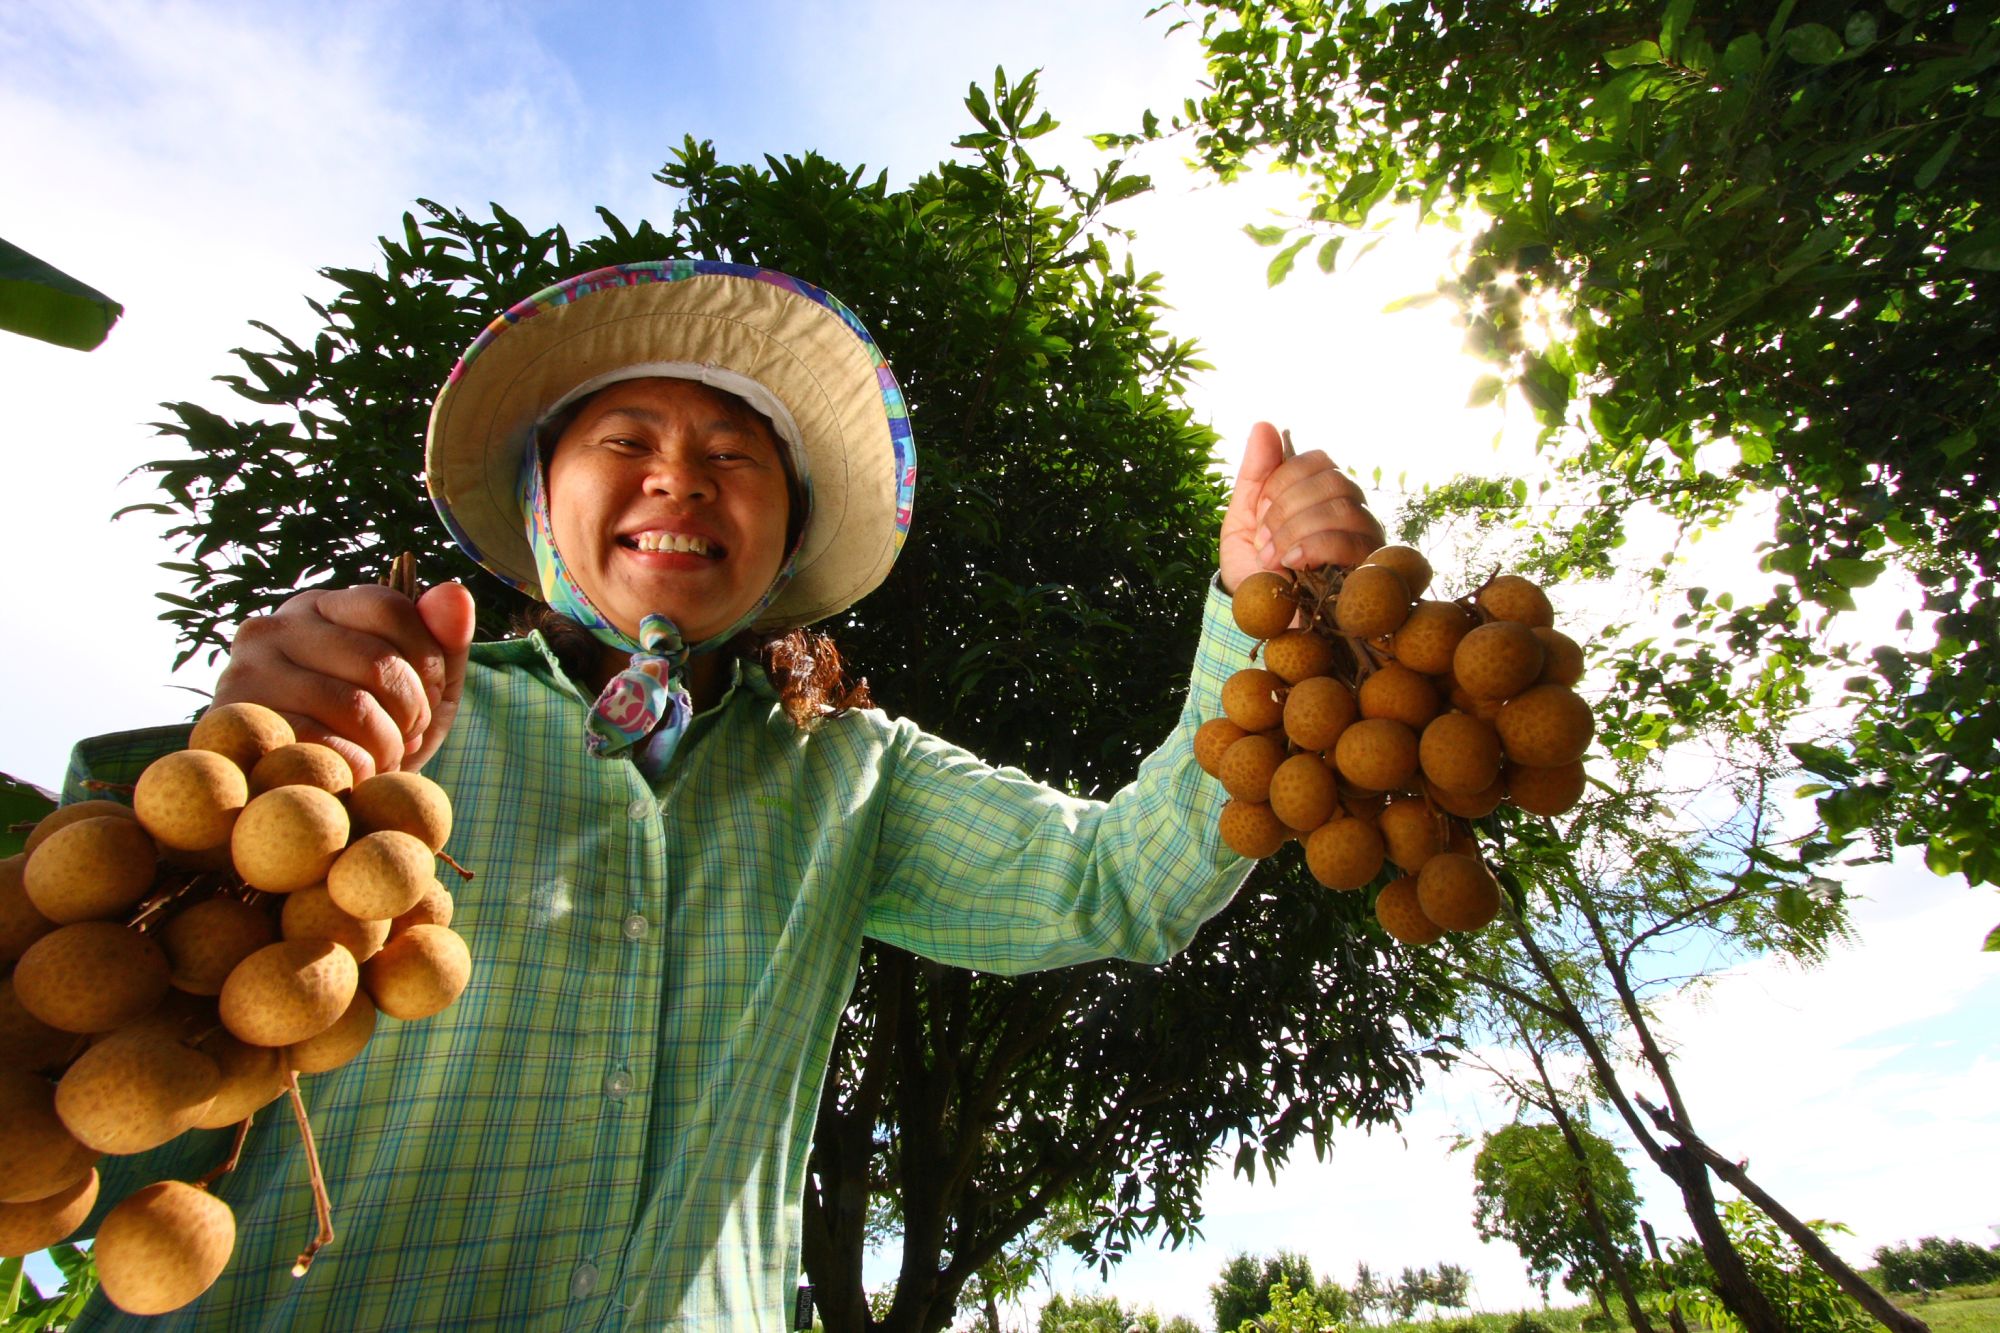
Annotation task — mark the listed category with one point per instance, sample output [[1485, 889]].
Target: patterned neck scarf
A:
[[646, 708]]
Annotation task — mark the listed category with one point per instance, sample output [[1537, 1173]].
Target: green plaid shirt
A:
[[610, 1128]]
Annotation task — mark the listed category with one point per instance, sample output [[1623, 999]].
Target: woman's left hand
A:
[[1292, 513]]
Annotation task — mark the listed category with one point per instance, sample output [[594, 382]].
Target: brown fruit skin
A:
[[1401, 694], [381, 875], [421, 971], [1408, 562], [1211, 738], [1250, 830], [1317, 710], [135, 1090], [1411, 834], [288, 838], [63, 816], [312, 914], [1397, 910], [1254, 699], [1298, 654], [20, 924], [1468, 805], [1546, 727], [252, 1078], [205, 941], [95, 868], [91, 977], [1430, 636], [288, 991], [243, 733], [1344, 853], [338, 1044], [1513, 598], [1546, 791], [190, 800], [302, 764], [435, 909], [1248, 766], [1458, 892], [1377, 753], [1262, 606], [38, 1154], [1562, 658], [1498, 660], [408, 802], [28, 1227], [26, 1042], [1303, 792], [1373, 601], [162, 1247], [1460, 753]]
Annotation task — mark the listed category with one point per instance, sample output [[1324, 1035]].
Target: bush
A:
[[1527, 1323], [1934, 1264], [1599, 1322]]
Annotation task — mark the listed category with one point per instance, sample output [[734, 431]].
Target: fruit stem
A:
[[322, 1206], [153, 908], [463, 873], [122, 788], [235, 1155]]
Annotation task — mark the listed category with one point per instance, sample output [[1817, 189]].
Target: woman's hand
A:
[[364, 670], [1292, 513]]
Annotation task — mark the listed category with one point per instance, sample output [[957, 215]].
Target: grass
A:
[[1972, 1309]]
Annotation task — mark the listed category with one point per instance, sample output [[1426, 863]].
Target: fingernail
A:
[[1294, 557], [1265, 550]]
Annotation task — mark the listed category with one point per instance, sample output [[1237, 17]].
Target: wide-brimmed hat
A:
[[793, 351]]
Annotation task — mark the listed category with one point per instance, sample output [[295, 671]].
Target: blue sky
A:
[[200, 161]]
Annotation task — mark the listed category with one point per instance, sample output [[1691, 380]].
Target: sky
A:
[[201, 161]]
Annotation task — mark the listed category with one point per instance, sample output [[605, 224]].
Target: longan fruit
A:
[[1303, 792], [1498, 660], [243, 733], [94, 868], [1377, 753], [1545, 727], [435, 908], [1250, 830], [1263, 606], [1512, 598], [1546, 791], [1248, 766], [382, 875], [422, 970], [205, 941], [190, 800], [92, 976], [312, 914], [1254, 699], [26, 1042], [20, 924], [338, 1044], [302, 764], [1457, 891], [1467, 805], [1408, 562], [1460, 753], [162, 1247], [36, 1225], [1397, 910], [1395, 691], [287, 838], [1317, 710], [411, 803], [1373, 601], [252, 1077], [1562, 657], [38, 1154], [1298, 654], [65, 815], [289, 991], [1211, 738], [1430, 636], [135, 1090], [1411, 834], [1344, 852]]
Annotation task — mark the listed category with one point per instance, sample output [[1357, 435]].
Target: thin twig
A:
[[235, 1155], [322, 1206]]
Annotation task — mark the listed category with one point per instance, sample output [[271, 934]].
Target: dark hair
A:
[[804, 665]]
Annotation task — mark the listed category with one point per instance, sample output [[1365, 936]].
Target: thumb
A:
[[447, 612], [1262, 453]]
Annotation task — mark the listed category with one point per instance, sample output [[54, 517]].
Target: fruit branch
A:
[[322, 1206], [235, 1155]]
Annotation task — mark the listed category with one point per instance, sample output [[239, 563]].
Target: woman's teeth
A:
[[671, 541]]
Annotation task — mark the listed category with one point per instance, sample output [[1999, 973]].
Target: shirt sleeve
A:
[[984, 868]]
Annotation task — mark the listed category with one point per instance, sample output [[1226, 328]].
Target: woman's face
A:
[[669, 496]]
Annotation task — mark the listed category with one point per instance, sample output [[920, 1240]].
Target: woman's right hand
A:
[[364, 670]]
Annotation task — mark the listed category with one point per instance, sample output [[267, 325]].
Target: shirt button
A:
[[615, 1087], [583, 1281], [641, 809], [635, 927]]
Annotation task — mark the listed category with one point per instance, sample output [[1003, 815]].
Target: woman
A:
[[675, 872]]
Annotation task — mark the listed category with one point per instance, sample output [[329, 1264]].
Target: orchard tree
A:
[[1043, 613], [1531, 1189], [1244, 1289]]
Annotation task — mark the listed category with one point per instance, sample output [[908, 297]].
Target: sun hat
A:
[[787, 347]]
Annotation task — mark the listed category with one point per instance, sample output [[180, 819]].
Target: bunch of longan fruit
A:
[[177, 963], [1381, 724]]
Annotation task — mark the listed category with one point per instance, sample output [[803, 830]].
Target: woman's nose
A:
[[680, 473]]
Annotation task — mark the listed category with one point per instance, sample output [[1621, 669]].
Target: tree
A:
[[1763, 241], [1293, 1311], [1932, 1264], [1042, 613], [1244, 1289], [1367, 1295], [1807, 1300], [1532, 1191]]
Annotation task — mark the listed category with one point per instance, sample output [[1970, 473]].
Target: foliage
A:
[[1733, 254], [1043, 613], [1933, 1264], [23, 1309], [1290, 1311], [1101, 1313], [1805, 1297], [1244, 1288], [40, 301], [1530, 1189], [1415, 1288]]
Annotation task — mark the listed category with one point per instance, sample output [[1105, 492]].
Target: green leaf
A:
[[1813, 44], [1412, 301], [1993, 940], [1638, 53], [1674, 24], [1928, 173], [1853, 573], [1980, 250], [1861, 28], [43, 302], [1957, 446], [1484, 390], [1744, 56], [1281, 263], [1125, 187], [1266, 235], [1328, 253]]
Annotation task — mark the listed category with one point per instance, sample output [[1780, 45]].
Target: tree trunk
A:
[[1733, 1283], [1674, 1320]]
